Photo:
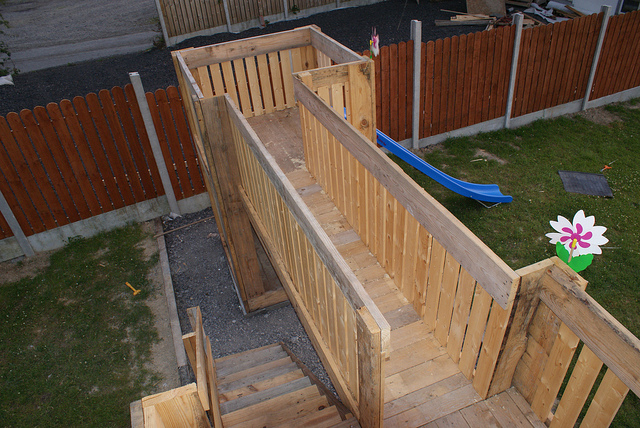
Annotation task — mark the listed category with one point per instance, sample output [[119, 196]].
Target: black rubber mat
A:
[[585, 183]]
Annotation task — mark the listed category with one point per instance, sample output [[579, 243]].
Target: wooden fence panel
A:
[[619, 62], [75, 160]]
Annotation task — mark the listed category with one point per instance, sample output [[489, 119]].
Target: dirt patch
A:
[[600, 115], [430, 149], [163, 354], [480, 153], [24, 267]]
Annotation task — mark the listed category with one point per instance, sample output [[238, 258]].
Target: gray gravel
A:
[[200, 275]]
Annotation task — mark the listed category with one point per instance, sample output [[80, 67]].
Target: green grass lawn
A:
[[527, 169], [74, 340]]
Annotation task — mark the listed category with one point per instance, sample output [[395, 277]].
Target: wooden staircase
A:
[[269, 386], [264, 387]]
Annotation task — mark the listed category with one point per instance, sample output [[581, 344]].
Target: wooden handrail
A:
[[616, 346], [253, 46], [495, 276]]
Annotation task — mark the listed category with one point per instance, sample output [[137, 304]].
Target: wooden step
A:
[[246, 360], [267, 394]]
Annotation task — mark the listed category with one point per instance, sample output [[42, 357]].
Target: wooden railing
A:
[[347, 329], [553, 316], [459, 287]]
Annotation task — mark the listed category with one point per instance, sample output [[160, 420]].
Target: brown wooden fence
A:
[[182, 19], [77, 159], [464, 79]]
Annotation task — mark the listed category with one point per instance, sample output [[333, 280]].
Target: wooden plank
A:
[[554, 372], [393, 91], [253, 46], [456, 121], [450, 276], [415, 353], [229, 81], [578, 389], [287, 78], [418, 377], [506, 411], [370, 370], [516, 339], [264, 395], [254, 86], [438, 87], [276, 79], [265, 84], [403, 132], [218, 136], [608, 399], [182, 410], [200, 368], [260, 382], [212, 384], [242, 87], [452, 82], [425, 246], [480, 262], [475, 78], [461, 309], [618, 348], [436, 272], [336, 51], [475, 331]]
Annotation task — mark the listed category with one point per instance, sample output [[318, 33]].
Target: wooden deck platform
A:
[[423, 385]]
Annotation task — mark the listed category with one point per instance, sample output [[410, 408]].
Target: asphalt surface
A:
[[351, 27]]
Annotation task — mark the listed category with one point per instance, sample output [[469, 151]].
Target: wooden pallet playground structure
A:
[[415, 319]]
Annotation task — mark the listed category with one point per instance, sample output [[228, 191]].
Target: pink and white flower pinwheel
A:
[[580, 237], [374, 43]]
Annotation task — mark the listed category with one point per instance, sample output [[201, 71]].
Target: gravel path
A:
[[201, 277], [352, 27]]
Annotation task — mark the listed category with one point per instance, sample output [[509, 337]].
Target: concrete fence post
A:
[[227, 15], [618, 7], [163, 24], [514, 69], [606, 10], [416, 36], [286, 10], [153, 139], [6, 211]]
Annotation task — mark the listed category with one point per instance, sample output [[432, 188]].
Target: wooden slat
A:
[[336, 51], [461, 309], [253, 46], [606, 402], [577, 391], [254, 86], [602, 333], [477, 322]]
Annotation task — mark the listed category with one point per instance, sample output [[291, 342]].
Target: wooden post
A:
[[363, 98], [227, 16], [370, 371], [606, 10], [515, 342], [163, 24], [219, 139], [6, 211], [416, 36], [153, 140], [514, 69]]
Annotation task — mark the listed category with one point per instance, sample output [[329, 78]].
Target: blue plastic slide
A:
[[479, 192]]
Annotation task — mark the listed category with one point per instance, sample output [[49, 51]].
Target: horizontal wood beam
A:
[[259, 45], [491, 272], [353, 290], [334, 50], [616, 346]]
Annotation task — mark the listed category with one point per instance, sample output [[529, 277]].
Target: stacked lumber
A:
[[465, 19]]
